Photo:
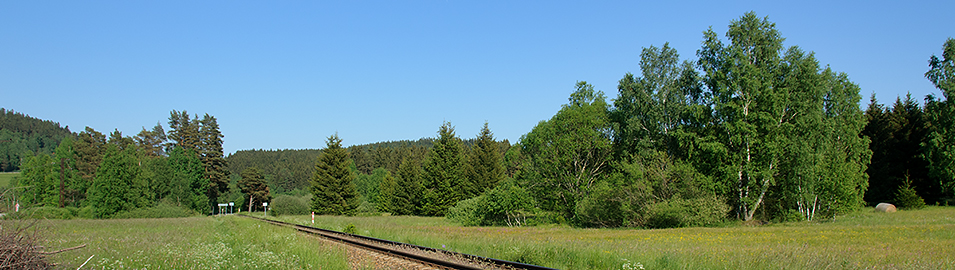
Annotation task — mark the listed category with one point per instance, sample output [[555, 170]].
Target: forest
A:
[[751, 130]]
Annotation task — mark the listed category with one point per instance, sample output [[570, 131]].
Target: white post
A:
[[313, 217], [265, 209]]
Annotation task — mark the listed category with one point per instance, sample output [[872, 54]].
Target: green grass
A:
[[7, 177], [188, 243], [921, 239]]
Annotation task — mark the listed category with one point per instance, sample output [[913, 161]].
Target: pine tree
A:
[[183, 131], [214, 165], [89, 153], [333, 186], [116, 138], [254, 187], [152, 141]]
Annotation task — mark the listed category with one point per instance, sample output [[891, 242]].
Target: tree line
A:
[[751, 130], [102, 176]]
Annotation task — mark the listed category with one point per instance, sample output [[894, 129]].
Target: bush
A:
[[703, 211], [467, 212], [350, 228], [159, 211], [602, 208], [506, 204], [366, 208], [86, 212], [290, 205]]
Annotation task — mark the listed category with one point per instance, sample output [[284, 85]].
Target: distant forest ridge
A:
[[291, 169], [22, 135]]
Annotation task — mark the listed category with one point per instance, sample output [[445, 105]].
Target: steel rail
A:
[[343, 237]]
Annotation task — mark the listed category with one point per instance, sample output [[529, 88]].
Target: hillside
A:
[[291, 169], [21, 134]]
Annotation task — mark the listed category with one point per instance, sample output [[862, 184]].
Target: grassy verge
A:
[[921, 239], [188, 243]]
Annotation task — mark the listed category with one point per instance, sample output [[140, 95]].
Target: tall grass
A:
[[189, 243], [921, 239]]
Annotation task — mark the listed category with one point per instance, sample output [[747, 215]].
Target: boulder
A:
[[885, 208]]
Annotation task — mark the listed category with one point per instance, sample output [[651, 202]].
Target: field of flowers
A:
[[187, 243], [921, 239]]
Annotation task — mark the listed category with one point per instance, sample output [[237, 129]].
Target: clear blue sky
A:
[[287, 74]]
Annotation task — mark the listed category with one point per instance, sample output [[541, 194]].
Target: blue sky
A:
[[287, 74]]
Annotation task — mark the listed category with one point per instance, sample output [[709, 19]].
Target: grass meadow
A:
[[226, 242], [921, 239], [7, 177]]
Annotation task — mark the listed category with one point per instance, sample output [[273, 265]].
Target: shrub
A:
[[506, 204], [86, 212], [366, 208], [290, 205], [602, 208], [350, 228], [159, 211], [467, 212], [678, 212]]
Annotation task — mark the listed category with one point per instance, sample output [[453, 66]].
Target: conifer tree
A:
[[183, 131], [486, 166], [89, 153], [401, 194], [444, 180], [333, 186], [152, 141], [254, 187], [214, 165]]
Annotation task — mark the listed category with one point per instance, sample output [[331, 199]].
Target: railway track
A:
[[436, 258]]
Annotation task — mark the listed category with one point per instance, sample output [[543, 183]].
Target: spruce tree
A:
[[444, 181], [333, 186], [486, 168], [405, 197]]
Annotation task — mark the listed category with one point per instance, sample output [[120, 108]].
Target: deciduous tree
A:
[[568, 154], [940, 144]]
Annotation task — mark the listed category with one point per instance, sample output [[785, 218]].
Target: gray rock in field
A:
[[885, 208]]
